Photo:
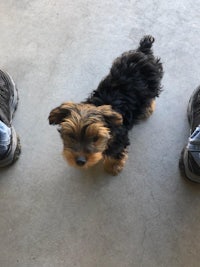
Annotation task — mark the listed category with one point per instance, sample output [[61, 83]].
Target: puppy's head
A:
[[85, 131]]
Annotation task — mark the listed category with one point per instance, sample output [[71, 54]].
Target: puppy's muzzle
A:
[[80, 161]]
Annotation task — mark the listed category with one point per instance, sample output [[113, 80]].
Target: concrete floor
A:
[[52, 215]]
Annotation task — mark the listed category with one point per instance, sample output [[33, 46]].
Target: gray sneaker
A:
[[8, 105], [190, 157]]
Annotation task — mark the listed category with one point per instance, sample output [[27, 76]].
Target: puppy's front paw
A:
[[114, 166], [113, 169]]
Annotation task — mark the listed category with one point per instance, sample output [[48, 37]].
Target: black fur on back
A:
[[133, 82]]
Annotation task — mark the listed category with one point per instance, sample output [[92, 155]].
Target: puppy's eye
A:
[[72, 136], [95, 138]]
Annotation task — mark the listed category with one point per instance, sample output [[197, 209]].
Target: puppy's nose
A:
[[80, 161]]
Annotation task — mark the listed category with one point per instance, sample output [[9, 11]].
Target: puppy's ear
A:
[[111, 117], [57, 114]]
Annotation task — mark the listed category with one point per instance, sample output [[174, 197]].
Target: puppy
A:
[[97, 128]]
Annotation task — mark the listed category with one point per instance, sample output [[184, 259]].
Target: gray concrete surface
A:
[[54, 216]]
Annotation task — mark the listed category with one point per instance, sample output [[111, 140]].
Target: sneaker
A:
[[190, 157], [8, 105]]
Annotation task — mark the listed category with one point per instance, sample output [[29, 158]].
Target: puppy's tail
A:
[[146, 44]]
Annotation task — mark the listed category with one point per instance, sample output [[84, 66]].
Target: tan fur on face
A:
[[84, 131], [91, 159]]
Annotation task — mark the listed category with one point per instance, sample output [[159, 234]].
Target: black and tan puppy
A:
[[98, 127]]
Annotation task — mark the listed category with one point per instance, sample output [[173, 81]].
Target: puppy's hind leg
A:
[[149, 110]]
